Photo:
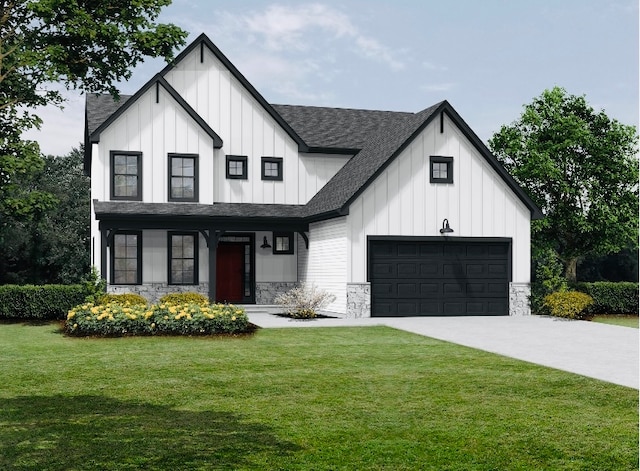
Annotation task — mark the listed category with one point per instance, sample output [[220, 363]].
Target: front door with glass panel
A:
[[234, 270]]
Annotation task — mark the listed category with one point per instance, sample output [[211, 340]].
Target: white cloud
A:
[[438, 87], [289, 28]]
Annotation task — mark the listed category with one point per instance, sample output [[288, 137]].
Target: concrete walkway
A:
[[606, 352]]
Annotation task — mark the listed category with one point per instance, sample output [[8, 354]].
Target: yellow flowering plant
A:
[[118, 319]]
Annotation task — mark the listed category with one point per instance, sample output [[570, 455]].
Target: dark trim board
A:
[[439, 276]]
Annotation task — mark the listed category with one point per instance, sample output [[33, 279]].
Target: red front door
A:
[[229, 272]]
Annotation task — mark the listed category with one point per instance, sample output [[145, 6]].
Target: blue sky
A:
[[487, 58]]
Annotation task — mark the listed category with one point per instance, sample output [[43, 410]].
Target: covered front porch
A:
[[235, 253]]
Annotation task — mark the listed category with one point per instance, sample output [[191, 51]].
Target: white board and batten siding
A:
[[402, 201], [155, 130], [247, 129], [325, 263]]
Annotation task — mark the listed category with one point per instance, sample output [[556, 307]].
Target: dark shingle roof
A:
[[100, 107], [383, 144], [341, 128], [249, 210]]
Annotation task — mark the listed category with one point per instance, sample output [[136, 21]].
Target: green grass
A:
[[625, 321], [298, 399]]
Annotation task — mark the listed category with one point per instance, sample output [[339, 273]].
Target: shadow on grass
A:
[[97, 432]]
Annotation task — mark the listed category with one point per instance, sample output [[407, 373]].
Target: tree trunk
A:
[[571, 270]]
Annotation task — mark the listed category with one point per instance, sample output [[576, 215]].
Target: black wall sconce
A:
[[265, 244], [445, 227]]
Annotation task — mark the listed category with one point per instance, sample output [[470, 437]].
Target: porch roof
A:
[[218, 216]]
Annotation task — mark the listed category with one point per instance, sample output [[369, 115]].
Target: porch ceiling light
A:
[[445, 227], [265, 243]]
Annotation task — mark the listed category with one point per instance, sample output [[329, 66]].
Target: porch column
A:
[[104, 243], [212, 243]]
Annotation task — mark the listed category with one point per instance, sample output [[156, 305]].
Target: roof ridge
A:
[[344, 109]]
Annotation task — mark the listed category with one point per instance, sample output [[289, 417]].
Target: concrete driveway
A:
[[606, 352]]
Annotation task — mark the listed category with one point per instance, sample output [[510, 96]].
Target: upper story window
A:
[[183, 258], [237, 167], [272, 168], [441, 169], [183, 177], [126, 258], [126, 175]]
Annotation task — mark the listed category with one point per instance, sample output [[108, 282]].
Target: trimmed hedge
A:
[[610, 297], [184, 298], [42, 302], [123, 299]]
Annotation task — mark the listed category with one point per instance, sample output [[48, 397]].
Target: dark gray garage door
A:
[[439, 277]]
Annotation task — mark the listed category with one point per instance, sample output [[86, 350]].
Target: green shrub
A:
[[611, 298], [548, 279], [130, 299], [115, 320], [42, 302], [95, 285], [184, 298], [570, 304]]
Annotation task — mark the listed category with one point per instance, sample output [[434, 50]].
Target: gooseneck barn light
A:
[[445, 227]]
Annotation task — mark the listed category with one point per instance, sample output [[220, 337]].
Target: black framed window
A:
[[126, 175], [183, 258], [237, 167], [126, 258], [272, 168], [440, 169], [183, 177], [283, 242]]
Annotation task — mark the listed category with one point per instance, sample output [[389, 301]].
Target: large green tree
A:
[[51, 246], [88, 45], [581, 168]]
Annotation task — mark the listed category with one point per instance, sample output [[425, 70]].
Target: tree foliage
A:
[[52, 246], [89, 45], [581, 168]]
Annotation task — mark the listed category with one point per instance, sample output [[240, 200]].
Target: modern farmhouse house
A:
[[199, 184]]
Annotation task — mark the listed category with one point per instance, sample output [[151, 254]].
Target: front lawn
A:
[[323, 398], [625, 321]]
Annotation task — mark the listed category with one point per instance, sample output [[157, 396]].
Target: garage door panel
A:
[[498, 249], [475, 269], [384, 269], [497, 289], [383, 289], [454, 308], [407, 290], [408, 249], [454, 250], [497, 269], [452, 289], [435, 277], [382, 249], [476, 289], [429, 269], [408, 269], [475, 309], [429, 289], [498, 308]]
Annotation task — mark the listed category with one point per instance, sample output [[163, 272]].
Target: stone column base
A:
[[519, 294], [358, 300]]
